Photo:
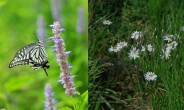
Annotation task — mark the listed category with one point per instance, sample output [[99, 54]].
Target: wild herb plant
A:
[[140, 42], [66, 76]]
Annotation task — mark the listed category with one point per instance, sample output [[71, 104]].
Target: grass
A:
[[118, 81]]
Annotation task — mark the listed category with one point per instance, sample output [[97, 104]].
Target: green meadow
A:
[[23, 88], [147, 73]]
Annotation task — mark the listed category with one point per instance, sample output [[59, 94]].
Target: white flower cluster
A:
[[118, 47], [134, 52], [149, 47], [169, 46]]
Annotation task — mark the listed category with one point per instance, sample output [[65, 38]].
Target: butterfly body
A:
[[37, 65]]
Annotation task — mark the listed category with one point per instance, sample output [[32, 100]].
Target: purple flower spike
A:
[[81, 21], [61, 55], [50, 102], [55, 8], [41, 28]]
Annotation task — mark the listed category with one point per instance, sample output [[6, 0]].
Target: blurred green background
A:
[[21, 87]]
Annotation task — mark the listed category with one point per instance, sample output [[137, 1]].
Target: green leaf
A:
[[82, 101], [65, 108]]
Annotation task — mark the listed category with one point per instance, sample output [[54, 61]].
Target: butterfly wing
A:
[[21, 58], [36, 51]]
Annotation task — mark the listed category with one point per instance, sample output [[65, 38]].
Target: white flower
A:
[[134, 53], [136, 35], [143, 48], [150, 76], [113, 49], [166, 54], [168, 38], [120, 45], [175, 44], [172, 45], [182, 28], [107, 22], [168, 49], [150, 48]]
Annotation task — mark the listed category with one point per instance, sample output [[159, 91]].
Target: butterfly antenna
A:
[[35, 34]]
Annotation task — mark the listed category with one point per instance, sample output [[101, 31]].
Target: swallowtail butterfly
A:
[[32, 54]]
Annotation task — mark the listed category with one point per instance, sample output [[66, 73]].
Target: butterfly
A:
[[33, 54]]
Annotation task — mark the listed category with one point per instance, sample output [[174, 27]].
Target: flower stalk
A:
[[50, 101], [59, 48]]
